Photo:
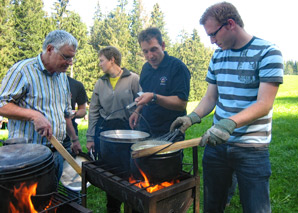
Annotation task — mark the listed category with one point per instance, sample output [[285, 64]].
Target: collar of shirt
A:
[[42, 67]]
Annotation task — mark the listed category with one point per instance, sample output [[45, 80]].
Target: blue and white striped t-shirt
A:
[[29, 85], [238, 74]]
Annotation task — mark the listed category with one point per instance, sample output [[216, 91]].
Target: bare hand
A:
[[144, 99], [133, 120], [76, 147], [42, 125], [90, 145]]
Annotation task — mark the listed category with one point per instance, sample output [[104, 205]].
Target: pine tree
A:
[[95, 32], [196, 57], [28, 22], [135, 58], [61, 11], [6, 38], [113, 30], [157, 20], [86, 68]]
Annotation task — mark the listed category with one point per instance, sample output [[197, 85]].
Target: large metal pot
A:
[[115, 148], [11, 141], [159, 167], [26, 163]]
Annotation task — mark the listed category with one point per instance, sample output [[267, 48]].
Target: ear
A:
[[231, 24], [163, 45], [112, 60], [50, 48]]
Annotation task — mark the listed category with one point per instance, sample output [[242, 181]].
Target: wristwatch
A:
[[154, 98]]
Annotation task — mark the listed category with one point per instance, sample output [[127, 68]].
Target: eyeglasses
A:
[[68, 59], [214, 34]]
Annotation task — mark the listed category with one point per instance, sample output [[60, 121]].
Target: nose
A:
[[212, 39], [150, 55]]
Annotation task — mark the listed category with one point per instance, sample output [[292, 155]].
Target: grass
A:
[[283, 154]]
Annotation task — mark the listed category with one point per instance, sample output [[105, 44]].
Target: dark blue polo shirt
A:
[[171, 78]]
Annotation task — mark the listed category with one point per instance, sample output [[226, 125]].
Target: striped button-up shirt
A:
[[29, 85]]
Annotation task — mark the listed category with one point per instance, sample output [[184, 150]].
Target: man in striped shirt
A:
[[35, 95], [243, 75]]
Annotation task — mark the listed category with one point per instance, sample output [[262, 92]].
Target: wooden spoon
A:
[[174, 146]]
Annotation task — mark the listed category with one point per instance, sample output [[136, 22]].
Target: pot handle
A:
[[166, 148]]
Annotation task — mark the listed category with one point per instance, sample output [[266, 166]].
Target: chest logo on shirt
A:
[[163, 80]]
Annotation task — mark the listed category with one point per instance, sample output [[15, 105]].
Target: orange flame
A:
[[146, 183], [23, 196]]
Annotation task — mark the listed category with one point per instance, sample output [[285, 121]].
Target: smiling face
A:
[[153, 52]]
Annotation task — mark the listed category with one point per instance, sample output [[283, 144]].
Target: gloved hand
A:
[[183, 123], [219, 133]]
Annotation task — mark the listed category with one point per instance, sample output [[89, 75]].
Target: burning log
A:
[[148, 186]]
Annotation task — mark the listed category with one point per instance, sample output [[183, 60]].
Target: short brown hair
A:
[[109, 52], [222, 12], [149, 33]]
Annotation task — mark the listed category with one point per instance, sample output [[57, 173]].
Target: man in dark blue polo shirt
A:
[[165, 81]]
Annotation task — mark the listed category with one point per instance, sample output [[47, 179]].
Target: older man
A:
[[35, 95]]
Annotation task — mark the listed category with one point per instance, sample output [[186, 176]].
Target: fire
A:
[[146, 184], [23, 196]]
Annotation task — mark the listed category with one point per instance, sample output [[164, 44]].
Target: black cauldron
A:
[[159, 167], [115, 148], [27, 164]]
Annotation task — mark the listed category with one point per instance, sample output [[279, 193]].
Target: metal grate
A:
[[62, 197], [175, 198]]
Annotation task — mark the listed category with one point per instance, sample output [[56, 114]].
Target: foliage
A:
[[196, 57], [24, 26], [135, 57], [28, 24], [291, 68], [157, 20], [86, 68], [6, 38]]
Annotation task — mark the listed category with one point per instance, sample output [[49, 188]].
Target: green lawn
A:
[[283, 153]]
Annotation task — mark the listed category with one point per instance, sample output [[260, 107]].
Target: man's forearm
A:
[[70, 130], [13, 111], [80, 113], [171, 102]]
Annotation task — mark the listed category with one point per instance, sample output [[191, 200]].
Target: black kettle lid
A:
[[18, 156]]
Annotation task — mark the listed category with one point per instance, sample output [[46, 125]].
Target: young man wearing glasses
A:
[[243, 79], [35, 95]]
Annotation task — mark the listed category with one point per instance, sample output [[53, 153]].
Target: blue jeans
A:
[[232, 188], [252, 168]]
